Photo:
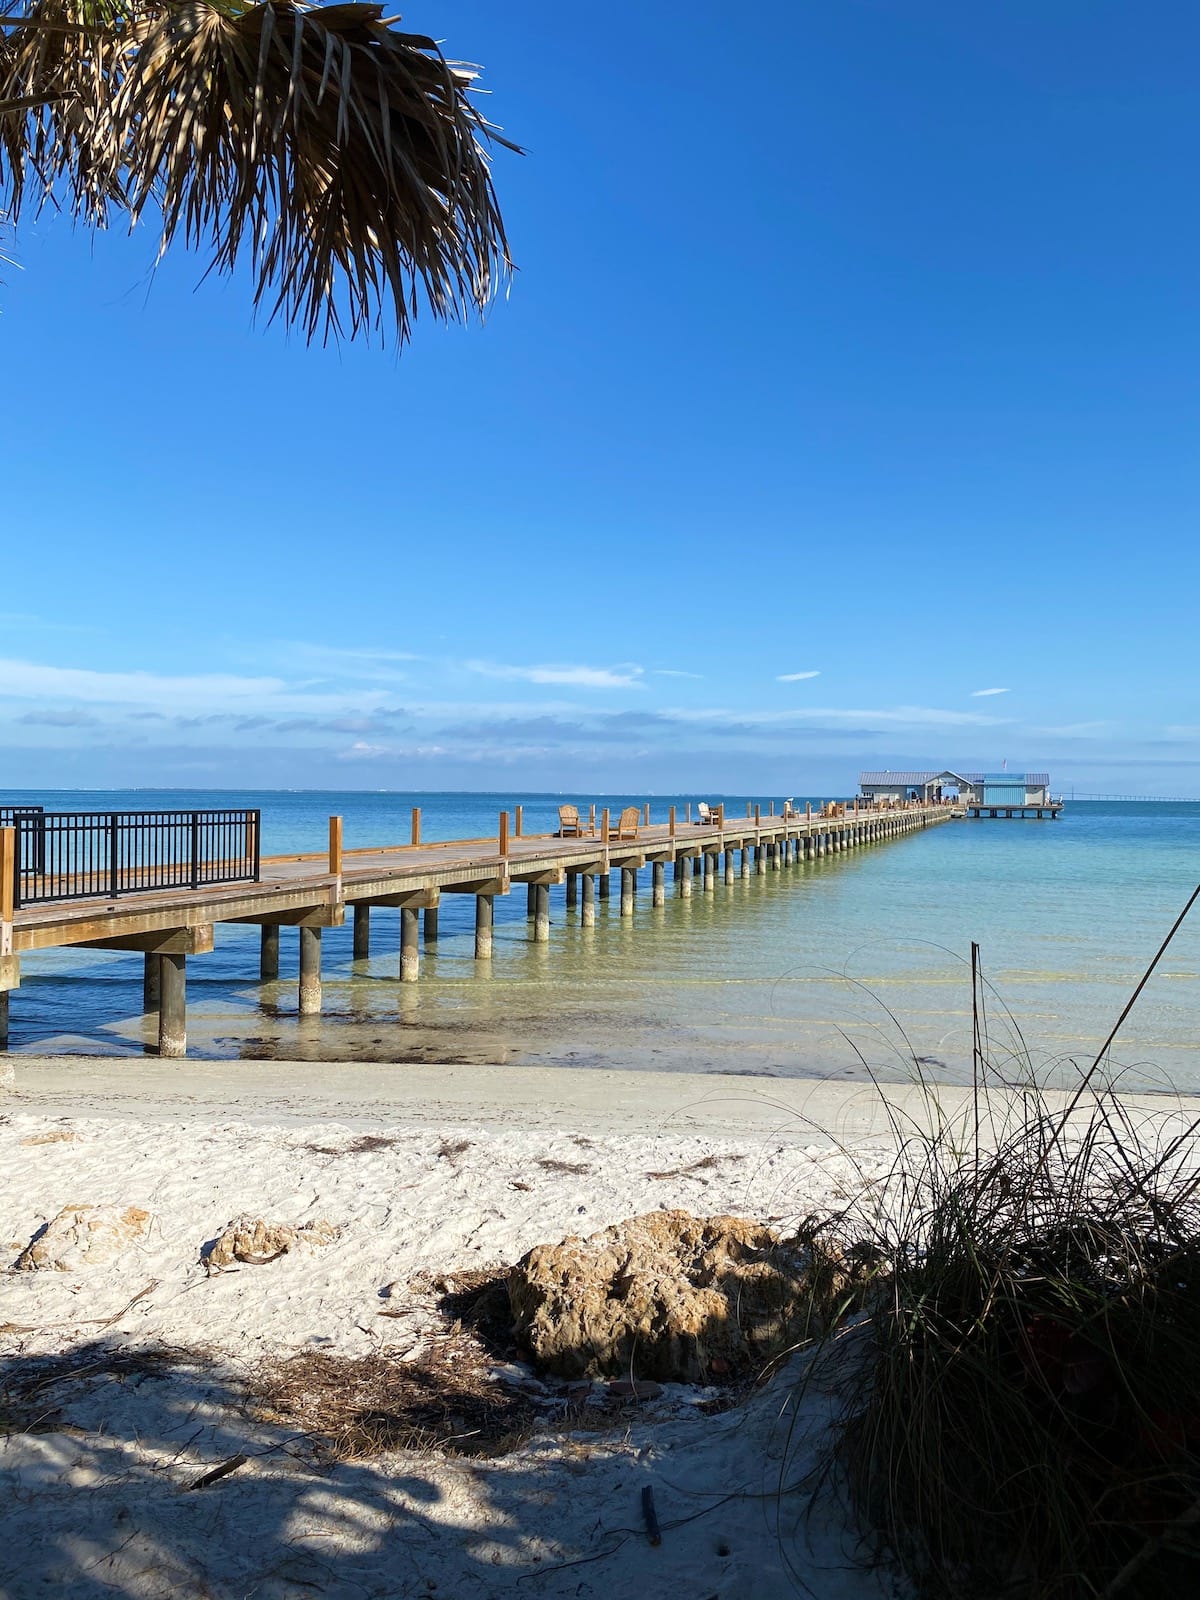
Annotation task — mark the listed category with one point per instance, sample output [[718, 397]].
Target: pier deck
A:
[[311, 892]]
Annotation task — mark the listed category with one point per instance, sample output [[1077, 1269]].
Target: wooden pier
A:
[[313, 892]]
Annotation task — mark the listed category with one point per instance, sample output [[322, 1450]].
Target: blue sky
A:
[[851, 371]]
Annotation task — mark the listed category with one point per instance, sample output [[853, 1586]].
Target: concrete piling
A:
[[172, 1006], [410, 946], [485, 915], [310, 972]]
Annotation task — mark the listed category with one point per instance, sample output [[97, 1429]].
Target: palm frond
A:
[[345, 160]]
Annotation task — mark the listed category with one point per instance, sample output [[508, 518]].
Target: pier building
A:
[[978, 793]]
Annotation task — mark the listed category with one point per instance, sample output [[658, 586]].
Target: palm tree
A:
[[345, 161]]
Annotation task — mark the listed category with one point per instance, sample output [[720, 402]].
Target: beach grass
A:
[[1021, 1402]]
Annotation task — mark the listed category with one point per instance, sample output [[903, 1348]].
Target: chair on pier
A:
[[626, 825], [705, 815], [569, 825]]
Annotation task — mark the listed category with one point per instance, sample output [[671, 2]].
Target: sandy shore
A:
[[465, 1168]]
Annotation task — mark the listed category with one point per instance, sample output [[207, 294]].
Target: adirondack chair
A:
[[705, 813], [626, 825], [569, 825]]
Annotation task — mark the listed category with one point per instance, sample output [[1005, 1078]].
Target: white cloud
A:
[[795, 677], [624, 676], [1076, 730], [896, 716], [672, 672], [978, 694], [28, 680]]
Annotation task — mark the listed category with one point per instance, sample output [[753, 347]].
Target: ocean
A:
[[855, 963]]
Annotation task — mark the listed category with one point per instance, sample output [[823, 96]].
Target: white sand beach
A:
[[425, 1173]]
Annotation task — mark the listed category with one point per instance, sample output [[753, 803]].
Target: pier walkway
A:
[[311, 892]]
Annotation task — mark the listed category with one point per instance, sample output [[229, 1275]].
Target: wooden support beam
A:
[[326, 915], [530, 898], [587, 911], [605, 885], [541, 913], [414, 899], [172, 1005], [195, 941], [477, 886], [730, 865], [430, 928], [310, 972], [3, 1019], [572, 896], [362, 931], [658, 889]]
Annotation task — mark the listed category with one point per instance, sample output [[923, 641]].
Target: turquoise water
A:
[[814, 970]]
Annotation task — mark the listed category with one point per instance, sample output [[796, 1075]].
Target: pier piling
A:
[[151, 984], [484, 918], [172, 1006], [310, 972], [268, 952], [410, 950]]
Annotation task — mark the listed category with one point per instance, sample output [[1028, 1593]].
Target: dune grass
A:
[[1020, 1401]]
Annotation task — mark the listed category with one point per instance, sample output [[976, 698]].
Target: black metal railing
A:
[[81, 855], [34, 837]]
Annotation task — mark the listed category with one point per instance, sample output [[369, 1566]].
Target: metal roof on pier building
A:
[[1033, 780]]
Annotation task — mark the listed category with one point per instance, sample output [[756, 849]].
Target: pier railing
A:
[[76, 855]]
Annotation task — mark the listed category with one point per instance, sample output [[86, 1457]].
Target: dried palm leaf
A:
[[344, 159]]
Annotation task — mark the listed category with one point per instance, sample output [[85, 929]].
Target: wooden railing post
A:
[[689, 811], [757, 815], [520, 827], [416, 825], [721, 815], [504, 833], [646, 815], [604, 826], [592, 818], [8, 887], [671, 822], [335, 846]]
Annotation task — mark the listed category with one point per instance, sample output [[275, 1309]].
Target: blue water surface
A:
[[857, 962]]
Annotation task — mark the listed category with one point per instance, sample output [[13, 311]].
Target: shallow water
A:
[[821, 969]]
